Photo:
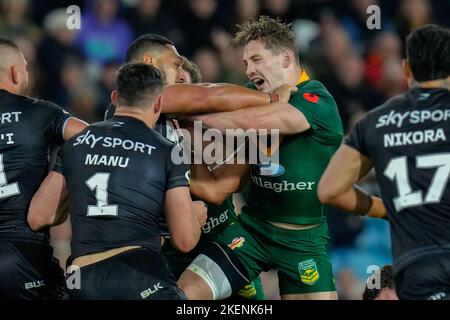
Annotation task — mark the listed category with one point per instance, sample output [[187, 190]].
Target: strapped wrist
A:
[[274, 97]]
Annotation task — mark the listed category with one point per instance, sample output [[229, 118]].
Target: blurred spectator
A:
[[348, 286], [411, 15], [83, 103], [278, 8], [14, 20], [207, 60], [243, 10], [106, 86], [199, 24], [104, 36], [148, 17], [56, 48], [355, 22]]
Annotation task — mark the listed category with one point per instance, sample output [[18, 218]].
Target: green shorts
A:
[[179, 261], [299, 255]]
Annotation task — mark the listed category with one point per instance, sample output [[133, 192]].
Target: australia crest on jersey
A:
[[236, 243], [308, 272]]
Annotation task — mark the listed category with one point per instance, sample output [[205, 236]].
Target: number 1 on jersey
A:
[[99, 183], [6, 190]]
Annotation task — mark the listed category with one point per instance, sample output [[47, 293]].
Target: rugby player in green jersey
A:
[[221, 212], [283, 226]]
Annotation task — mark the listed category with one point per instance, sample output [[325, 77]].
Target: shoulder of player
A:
[[394, 102], [313, 91]]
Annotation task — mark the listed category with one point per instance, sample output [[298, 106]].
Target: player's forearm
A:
[[356, 201], [191, 99], [204, 186], [47, 205]]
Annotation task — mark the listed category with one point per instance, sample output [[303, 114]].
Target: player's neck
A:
[[137, 114], [434, 84], [6, 87], [293, 75]]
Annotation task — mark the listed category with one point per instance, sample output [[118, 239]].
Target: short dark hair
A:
[[386, 281], [428, 53], [273, 32], [145, 43], [4, 41], [137, 84], [192, 69]]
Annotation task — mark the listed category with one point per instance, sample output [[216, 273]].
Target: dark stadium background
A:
[[360, 67]]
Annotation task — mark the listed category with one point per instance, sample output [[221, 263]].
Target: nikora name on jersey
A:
[[109, 142], [414, 137]]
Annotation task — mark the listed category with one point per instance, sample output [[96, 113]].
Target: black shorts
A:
[[28, 270], [136, 274], [428, 279]]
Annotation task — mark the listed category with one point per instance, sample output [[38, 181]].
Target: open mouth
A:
[[258, 82]]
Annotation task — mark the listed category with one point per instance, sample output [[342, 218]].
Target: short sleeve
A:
[[177, 174], [356, 138], [52, 121], [321, 112]]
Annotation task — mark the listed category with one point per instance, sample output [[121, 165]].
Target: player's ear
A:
[[147, 59], [288, 57], [114, 97], [157, 104], [16, 77]]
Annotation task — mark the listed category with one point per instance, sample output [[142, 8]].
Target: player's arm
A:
[[49, 206], [337, 185], [73, 126], [216, 186], [279, 115], [200, 98], [184, 218]]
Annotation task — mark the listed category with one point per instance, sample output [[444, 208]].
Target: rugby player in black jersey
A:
[[28, 129], [407, 141], [119, 173]]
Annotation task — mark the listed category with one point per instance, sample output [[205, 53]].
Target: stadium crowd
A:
[[361, 67]]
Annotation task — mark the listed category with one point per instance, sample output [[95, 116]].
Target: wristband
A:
[[274, 97]]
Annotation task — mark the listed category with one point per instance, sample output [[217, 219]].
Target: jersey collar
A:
[[303, 77]]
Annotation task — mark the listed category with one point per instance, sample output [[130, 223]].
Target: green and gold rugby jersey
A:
[[287, 192], [219, 217]]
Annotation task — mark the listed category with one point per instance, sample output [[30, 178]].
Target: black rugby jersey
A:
[[28, 128], [166, 127], [408, 141], [117, 172]]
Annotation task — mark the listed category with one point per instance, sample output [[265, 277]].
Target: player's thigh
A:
[[302, 261], [225, 265], [29, 271], [428, 279], [252, 291]]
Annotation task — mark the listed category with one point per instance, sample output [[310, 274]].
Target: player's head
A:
[[428, 53], [387, 287], [270, 53], [138, 90], [191, 71], [159, 52], [13, 67]]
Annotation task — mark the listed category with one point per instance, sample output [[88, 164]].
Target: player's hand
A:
[[284, 92], [200, 211]]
